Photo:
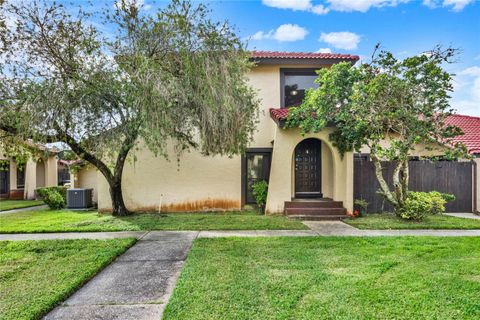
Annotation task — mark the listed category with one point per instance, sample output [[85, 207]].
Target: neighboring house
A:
[[20, 182], [305, 173]]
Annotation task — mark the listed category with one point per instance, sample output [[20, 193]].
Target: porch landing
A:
[[315, 209]]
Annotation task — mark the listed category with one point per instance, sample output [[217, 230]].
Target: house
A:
[[305, 173], [19, 181]]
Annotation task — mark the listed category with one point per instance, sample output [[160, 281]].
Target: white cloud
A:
[[472, 71], [296, 5], [319, 9], [456, 5], [324, 50], [361, 5], [284, 33], [341, 40], [289, 4], [466, 95]]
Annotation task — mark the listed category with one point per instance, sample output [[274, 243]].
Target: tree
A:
[[404, 102], [145, 81]]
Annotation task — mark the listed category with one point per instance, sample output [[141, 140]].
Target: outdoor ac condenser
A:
[[79, 198]]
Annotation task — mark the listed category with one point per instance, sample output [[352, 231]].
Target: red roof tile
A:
[[469, 125], [278, 114], [471, 129], [301, 55]]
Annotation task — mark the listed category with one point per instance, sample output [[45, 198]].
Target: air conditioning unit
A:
[[79, 198]]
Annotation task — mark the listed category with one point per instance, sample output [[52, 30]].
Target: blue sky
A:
[[404, 27], [355, 26]]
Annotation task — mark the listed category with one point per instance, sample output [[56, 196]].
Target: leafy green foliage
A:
[[420, 204], [260, 192], [363, 204], [54, 197], [404, 102]]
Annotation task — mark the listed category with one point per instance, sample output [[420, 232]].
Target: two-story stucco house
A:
[[305, 173]]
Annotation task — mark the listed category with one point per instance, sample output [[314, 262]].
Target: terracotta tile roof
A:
[[471, 129], [470, 126], [301, 55], [278, 114]]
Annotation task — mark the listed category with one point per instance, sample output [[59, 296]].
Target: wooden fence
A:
[[444, 176]]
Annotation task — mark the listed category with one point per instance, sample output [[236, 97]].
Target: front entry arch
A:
[[308, 169]]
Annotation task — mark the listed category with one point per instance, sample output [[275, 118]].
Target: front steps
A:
[[315, 209]]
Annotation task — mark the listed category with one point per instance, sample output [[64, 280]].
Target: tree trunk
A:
[[116, 195], [385, 190], [397, 185]]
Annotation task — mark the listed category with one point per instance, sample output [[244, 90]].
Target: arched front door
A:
[[308, 169]]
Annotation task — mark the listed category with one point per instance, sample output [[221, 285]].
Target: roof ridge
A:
[[464, 115]]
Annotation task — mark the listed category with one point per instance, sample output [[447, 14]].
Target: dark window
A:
[[20, 178], [4, 176], [294, 83], [256, 167], [63, 175]]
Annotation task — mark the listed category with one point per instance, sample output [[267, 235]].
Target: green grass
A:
[[390, 221], [329, 278], [70, 221], [37, 275], [17, 204]]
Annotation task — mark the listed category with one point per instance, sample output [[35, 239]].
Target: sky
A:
[[404, 27], [354, 26]]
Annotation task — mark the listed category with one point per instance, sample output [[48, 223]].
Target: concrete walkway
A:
[[467, 215], [42, 206], [137, 285]]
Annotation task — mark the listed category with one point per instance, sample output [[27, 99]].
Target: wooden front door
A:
[[308, 165]]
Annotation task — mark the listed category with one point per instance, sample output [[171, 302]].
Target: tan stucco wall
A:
[[281, 186], [87, 178], [195, 183]]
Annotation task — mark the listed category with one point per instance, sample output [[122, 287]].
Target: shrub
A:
[[54, 197], [54, 200], [363, 204], [260, 191], [420, 204], [416, 207], [42, 192]]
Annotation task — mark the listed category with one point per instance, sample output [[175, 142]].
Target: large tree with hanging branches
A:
[[103, 83]]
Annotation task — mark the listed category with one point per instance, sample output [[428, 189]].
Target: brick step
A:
[[315, 211], [313, 204], [317, 218]]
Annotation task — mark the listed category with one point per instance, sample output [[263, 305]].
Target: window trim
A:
[[292, 71], [261, 151]]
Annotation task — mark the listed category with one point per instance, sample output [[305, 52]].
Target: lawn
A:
[[68, 221], [329, 278], [390, 221], [37, 275], [17, 204]]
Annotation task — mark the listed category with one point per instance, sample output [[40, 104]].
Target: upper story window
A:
[[294, 82]]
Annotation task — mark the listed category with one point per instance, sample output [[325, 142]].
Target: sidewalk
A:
[[41, 206], [137, 285], [318, 228]]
